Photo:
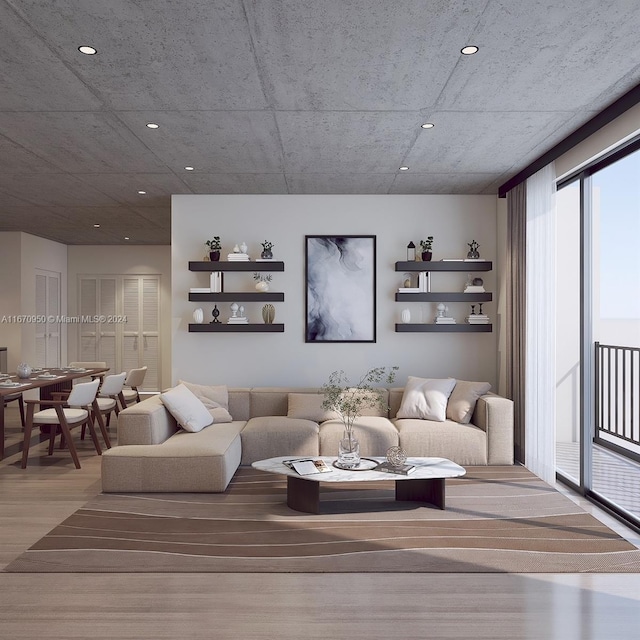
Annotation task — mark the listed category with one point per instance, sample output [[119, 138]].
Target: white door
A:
[[48, 322], [121, 323]]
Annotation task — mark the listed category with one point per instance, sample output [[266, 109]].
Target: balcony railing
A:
[[617, 399]]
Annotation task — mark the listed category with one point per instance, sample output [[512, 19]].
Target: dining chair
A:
[[75, 410], [12, 398], [106, 402], [88, 364], [133, 381]]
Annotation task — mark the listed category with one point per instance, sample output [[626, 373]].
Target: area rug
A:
[[497, 519]]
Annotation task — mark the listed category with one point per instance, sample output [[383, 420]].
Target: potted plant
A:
[[214, 248], [266, 250], [348, 401], [262, 281], [426, 246]]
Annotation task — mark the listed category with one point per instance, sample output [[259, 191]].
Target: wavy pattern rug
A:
[[498, 519]]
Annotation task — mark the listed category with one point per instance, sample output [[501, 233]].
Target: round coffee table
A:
[[424, 484]]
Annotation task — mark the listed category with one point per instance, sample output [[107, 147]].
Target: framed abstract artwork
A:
[[340, 278]]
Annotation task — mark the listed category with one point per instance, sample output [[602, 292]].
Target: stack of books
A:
[[199, 290], [238, 320], [216, 281], [238, 257], [474, 289], [478, 318], [444, 320]]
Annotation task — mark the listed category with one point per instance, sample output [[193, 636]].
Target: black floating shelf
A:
[[449, 265], [272, 265], [239, 296], [222, 327], [443, 328], [444, 297]]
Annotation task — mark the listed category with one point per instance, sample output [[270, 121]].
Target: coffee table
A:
[[425, 484]]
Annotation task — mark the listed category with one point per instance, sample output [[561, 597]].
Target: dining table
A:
[[48, 380]]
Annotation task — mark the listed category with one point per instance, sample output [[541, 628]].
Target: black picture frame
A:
[[340, 288]]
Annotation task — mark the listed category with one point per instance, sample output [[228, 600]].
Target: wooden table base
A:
[[304, 495]]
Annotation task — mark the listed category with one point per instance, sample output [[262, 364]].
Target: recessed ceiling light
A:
[[469, 50], [189, 168], [404, 168], [87, 50], [427, 125], [97, 226], [142, 193], [153, 125], [126, 237]]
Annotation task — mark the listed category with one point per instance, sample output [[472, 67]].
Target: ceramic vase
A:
[[262, 286], [23, 370], [198, 316], [406, 316], [268, 313]]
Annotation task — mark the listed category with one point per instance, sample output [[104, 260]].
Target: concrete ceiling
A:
[[286, 96]]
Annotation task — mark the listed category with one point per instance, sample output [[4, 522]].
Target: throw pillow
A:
[[426, 398], [308, 406], [372, 405], [214, 397], [462, 401], [188, 411]]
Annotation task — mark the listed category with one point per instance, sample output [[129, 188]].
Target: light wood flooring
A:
[[277, 606]]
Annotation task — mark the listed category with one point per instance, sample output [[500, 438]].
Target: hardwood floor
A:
[[282, 606]]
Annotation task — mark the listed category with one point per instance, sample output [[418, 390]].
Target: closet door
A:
[[47, 318]]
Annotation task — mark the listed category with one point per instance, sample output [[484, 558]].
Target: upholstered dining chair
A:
[[133, 381], [12, 398], [106, 402], [75, 410]]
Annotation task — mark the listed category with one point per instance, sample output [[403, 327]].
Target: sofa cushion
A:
[[464, 444], [185, 407], [372, 406], [426, 398], [214, 398], [308, 406], [271, 436], [463, 398]]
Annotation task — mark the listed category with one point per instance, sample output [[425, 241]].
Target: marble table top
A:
[[425, 468]]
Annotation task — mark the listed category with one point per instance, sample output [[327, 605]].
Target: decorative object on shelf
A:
[[426, 246], [340, 295], [476, 286], [215, 313], [198, 316], [243, 247], [396, 456], [235, 318], [473, 250], [262, 281], [237, 255], [477, 318], [23, 370], [441, 318], [266, 254], [214, 248], [411, 252], [407, 281], [268, 313], [348, 402], [406, 316]]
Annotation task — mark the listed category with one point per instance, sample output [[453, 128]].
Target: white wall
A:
[[130, 260], [20, 255], [259, 359]]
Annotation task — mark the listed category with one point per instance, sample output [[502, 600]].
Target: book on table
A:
[[307, 466], [403, 470]]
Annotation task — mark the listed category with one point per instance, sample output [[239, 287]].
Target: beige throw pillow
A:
[[188, 411], [426, 398], [308, 406], [214, 397], [462, 401]]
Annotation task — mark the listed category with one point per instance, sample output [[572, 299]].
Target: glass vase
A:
[[348, 451]]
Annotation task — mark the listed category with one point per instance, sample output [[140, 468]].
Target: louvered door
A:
[[129, 336], [48, 321]]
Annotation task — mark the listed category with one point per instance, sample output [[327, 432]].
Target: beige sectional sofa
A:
[[155, 455]]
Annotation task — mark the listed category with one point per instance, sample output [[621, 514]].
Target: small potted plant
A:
[[266, 250], [426, 246], [262, 281], [214, 248]]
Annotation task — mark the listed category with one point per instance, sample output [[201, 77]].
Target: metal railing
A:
[[617, 399]]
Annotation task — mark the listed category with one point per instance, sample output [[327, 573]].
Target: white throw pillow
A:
[[214, 397], [426, 398], [188, 411]]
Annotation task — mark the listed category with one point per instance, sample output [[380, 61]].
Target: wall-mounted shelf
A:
[[443, 328], [444, 297], [238, 296], [271, 265], [236, 328], [446, 265]]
